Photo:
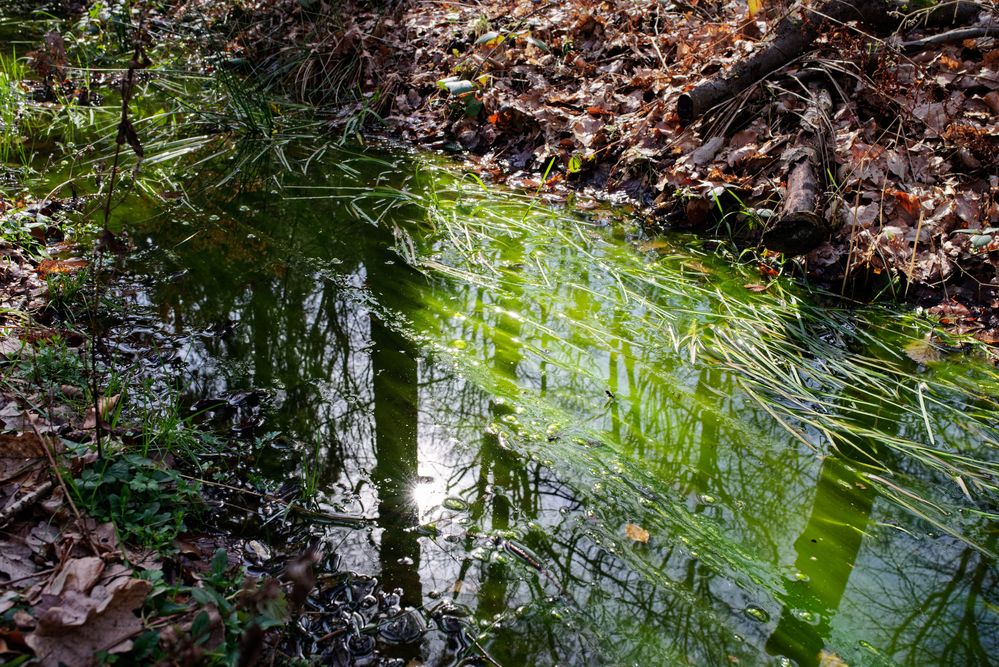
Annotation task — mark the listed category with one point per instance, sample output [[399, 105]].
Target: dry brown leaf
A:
[[17, 453], [16, 563], [636, 533], [830, 659], [75, 629], [106, 404], [48, 267], [77, 574]]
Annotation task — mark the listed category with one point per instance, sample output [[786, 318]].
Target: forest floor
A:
[[553, 97], [557, 96]]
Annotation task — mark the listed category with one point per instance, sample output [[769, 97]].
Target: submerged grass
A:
[[12, 104], [834, 375]]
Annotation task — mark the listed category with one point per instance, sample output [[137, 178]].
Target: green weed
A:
[[146, 501], [52, 363]]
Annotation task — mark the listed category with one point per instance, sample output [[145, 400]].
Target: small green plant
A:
[[52, 363], [242, 607], [146, 501], [66, 292]]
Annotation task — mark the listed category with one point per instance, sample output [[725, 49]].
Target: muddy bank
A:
[[561, 96]]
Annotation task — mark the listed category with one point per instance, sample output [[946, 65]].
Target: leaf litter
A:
[[910, 183]]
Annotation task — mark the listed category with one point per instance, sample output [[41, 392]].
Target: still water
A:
[[601, 446]]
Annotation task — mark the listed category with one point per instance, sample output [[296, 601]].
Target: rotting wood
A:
[[801, 224], [794, 37], [799, 228]]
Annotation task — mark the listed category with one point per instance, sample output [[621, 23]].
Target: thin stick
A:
[[65, 491], [332, 516], [29, 499]]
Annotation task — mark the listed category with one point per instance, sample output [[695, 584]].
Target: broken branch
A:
[[794, 36]]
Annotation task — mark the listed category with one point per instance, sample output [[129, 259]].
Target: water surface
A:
[[602, 445]]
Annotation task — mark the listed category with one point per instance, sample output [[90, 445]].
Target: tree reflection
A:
[[396, 395], [678, 447], [826, 552]]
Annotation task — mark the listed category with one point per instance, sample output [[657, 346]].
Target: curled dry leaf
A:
[[106, 404]]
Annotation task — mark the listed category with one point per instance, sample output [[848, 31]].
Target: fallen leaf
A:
[[75, 629], [922, 351], [636, 533], [48, 267], [77, 574], [16, 563], [106, 404], [830, 659]]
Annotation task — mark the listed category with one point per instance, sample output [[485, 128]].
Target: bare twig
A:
[[25, 502], [986, 30], [62, 484]]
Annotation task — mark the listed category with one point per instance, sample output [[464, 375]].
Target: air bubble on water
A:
[[455, 504], [806, 616], [756, 613]]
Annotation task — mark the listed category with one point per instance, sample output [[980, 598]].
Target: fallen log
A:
[[794, 36], [801, 225]]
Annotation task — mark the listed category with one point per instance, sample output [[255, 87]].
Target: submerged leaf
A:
[[922, 351], [636, 533]]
